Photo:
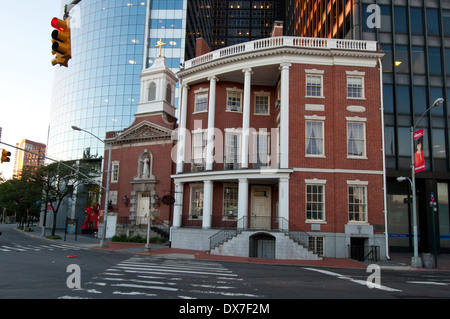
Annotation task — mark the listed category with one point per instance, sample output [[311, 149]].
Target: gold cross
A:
[[160, 45]]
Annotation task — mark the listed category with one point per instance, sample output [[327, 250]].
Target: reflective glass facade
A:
[[99, 91]]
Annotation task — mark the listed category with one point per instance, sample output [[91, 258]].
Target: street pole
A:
[[416, 262], [147, 245], [105, 213]]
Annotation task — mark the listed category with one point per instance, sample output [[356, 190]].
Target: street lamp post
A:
[[103, 237], [416, 262]]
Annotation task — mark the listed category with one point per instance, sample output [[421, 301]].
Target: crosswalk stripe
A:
[[19, 247], [13, 248], [145, 287], [150, 276], [161, 270], [177, 267]]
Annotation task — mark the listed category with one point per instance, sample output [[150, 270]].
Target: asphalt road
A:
[[36, 268]]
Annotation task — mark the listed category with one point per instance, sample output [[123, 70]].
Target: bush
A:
[[124, 239], [134, 239], [53, 237]]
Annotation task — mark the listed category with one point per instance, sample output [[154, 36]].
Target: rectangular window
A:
[[232, 150], [315, 203], [315, 244], [234, 101], [357, 203], [356, 141], [196, 207], [261, 104], [230, 201], [261, 143], [198, 151], [115, 173], [418, 60], [314, 138], [201, 102], [313, 85], [355, 87]]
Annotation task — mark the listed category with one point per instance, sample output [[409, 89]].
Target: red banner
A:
[[419, 160]]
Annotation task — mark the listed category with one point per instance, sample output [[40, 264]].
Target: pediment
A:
[[143, 131]]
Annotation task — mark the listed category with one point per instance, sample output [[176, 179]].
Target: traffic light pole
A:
[[69, 7], [64, 164]]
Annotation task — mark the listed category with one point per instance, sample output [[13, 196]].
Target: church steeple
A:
[[157, 89]]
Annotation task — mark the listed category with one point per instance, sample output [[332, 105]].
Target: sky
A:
[[26, 73]]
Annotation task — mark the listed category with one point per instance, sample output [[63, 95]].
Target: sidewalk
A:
[[398, 261]]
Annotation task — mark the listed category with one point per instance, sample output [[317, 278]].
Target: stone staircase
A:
[[286, 247]]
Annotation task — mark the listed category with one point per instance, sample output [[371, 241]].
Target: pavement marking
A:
[[428, 283], [361, 282]]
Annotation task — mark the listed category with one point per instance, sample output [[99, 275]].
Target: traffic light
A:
[[5, 156], [61, 46]]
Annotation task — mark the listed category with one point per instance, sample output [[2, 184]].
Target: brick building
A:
[[281, 149], [32, 159]]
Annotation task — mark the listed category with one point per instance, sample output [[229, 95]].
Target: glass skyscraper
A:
[[112, 41]]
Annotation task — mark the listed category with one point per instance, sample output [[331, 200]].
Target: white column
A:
[[284, 116], [178, 207], [246, 117], [211, 114], [181, 146], [243, 203], [207, 204], [283, 202]]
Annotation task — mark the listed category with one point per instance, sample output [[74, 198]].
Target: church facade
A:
[[141, 162]]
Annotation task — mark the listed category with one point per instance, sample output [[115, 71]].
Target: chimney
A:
[[201, 47], [277, 30]]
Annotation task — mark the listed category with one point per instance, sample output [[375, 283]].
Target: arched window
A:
[[152, 91], [169, 94]]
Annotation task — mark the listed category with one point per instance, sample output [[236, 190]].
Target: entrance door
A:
[[143, 208], [262, 246], [261, 212]]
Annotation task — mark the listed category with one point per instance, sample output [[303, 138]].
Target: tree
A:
[[57, 181], [21, 198]]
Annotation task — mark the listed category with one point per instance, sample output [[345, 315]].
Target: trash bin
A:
[[427, 260]]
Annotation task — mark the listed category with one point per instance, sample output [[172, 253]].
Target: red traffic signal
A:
[[60, 25], [61, 46]]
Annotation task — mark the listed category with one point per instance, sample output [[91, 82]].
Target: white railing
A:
[[275, 42]]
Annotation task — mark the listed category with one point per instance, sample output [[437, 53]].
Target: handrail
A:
[[274, 42], [226, 233], [293, 231]]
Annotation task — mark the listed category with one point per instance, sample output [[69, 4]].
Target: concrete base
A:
[[416, 262]]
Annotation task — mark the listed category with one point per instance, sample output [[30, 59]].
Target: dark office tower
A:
[[415, 37], [242, 21], [198, 24], [319, 18]]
